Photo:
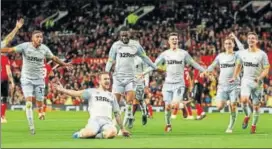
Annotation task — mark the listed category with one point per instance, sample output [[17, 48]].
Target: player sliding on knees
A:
[[227, 90], [173, 87], [123, 53], [102, 104], [255, 68], [32, 80]]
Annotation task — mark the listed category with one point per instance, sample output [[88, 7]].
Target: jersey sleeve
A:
[[86, 95], [238, 58], [191, 61], [21, 47], [115, 105], [48, 53], [158, 61], [214, 63], [112, 57], [265, 61], [141, 53]]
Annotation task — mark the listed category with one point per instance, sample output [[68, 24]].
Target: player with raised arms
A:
[[227, 90], [102, 105], [6, 75], [173, 87], [255, 68], [32, 80], [123, 53]]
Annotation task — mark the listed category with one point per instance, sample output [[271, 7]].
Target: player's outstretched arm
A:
[[69, 92], [117, 115], [266, 67], [10, 77], [158, 61], [141, 53], [11, 35], [8, 50], [238, 42], [111, 59], [214, 64], [191, 61], [120, 124], [237, 70], [61, 63]]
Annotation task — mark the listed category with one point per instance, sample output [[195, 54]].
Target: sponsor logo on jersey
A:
[[173, 62], [126, 55], [250, 64], [34, 59], [101, 98], [227, 65]]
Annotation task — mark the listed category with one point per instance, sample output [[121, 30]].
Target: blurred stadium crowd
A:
[[87, 32]]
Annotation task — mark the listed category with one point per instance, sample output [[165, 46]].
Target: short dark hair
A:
[[124, 28], [172, 34], [252, 33], [36, 32]]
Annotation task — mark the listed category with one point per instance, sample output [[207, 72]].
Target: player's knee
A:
[[244, 100], [167, 107], [130, 96], [29, 99], [233, 106], [256, 106], [39, 103], [220, 105], [87, 132], [110, 133]]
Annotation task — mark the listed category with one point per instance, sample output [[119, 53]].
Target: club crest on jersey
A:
[[173, 62]]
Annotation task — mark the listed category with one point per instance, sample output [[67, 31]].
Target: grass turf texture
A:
[[56, 132]]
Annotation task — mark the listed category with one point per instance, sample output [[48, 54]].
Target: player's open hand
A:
[[125, 133], [20, 23], [139, 76], [232, 35], [231, 80]]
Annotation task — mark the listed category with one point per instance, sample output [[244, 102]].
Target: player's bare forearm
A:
[[71, 92], [118, 119], [10, 77], [57, 60], [237, 70], [11, 35], [7, 50], [197, 66], [108, 65], [264, 73]]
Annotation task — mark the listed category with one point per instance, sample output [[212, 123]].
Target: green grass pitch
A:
[[56, 132]]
